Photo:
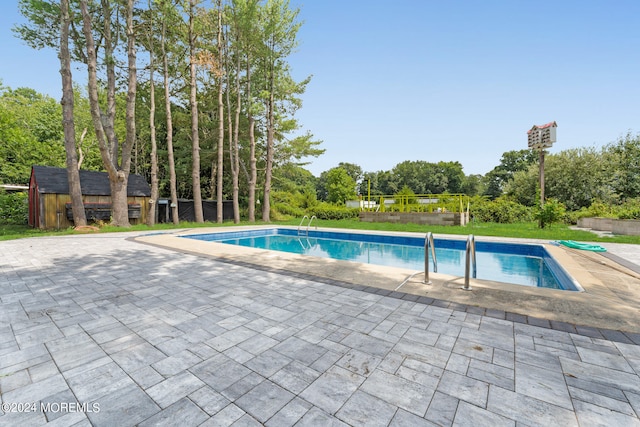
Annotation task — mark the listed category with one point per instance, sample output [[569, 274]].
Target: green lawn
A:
[[524, 230]]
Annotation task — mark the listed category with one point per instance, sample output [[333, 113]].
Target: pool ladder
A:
[[428, 243], [308, 224], [470, 259]]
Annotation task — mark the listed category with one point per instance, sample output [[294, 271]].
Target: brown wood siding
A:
[[53, 210]]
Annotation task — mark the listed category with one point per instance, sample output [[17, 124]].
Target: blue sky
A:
[[439, 80]]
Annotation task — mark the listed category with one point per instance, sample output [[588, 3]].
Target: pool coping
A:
[[582, 312]]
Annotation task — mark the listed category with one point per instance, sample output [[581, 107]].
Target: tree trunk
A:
[[220, 120], [73, 175], [103, 124], [167, 104], [151, 214], [234, 155], [266, 204], [195, 140], [253, 170]]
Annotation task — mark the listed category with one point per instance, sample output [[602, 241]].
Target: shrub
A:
[[284, 210], [500, 210], [329, 211], [630, 210], [552, 211], [14, 208]]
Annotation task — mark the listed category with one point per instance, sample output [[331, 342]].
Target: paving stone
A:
[[473, 349], [225, 417], [37, 391], [621, 406], [242, 386], [55, 406], [100, 381], [125, 407], [43, 370], [433, 356], [359, 362], [325, 361], [317, 417], [72, 352], [230, 338], [267, 363], [21, 359], [403, 418], [464, 388], [536, 358], [298, 349], [590, 414], [238, 354], [220, 372], [442, 409], [209, 400], [174, 388], [473, 416], [398, 391], [137, 357], [176, 363], [14, 380], [146, 377], [38, 335], [332, 389], [634, 401], [265, 400], [543, 384], [458, 363], [295, 377], [257, 344], [526, 410], [290, 414], [617, 362], [492, 374], [601, 375], [366, 410], [183, 412]]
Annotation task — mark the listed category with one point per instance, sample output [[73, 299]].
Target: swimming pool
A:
[[522, 264]]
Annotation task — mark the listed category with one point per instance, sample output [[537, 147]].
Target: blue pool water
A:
[[522, 264]]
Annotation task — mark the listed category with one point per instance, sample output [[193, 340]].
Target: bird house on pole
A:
[[541, 138]]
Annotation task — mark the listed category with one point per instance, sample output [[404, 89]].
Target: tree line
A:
[[199, 98], [31, 133], [176, 86]]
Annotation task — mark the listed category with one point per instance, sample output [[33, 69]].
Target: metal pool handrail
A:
[[428, 243], [470, 260], [301, 221], [309, 224]]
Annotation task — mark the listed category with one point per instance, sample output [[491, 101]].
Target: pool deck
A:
[[148, 330]]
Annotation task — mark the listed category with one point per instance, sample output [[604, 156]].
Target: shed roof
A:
[[51, 180]]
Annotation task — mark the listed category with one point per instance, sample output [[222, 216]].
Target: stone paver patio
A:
[[104, 331]]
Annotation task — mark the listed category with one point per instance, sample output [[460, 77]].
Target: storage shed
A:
[[50, 202]]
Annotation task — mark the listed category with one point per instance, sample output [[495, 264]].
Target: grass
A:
[[523, 230]]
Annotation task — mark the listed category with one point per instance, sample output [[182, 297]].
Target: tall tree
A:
[[193, 102], [280, 31], [220, 165], [116, 159], [510, 163], [168, 12], [151, 214], [68, 125]]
